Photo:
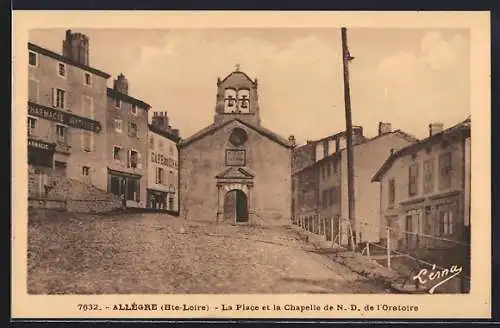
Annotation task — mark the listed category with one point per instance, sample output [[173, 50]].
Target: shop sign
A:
[[41, 145], [69, 119], [163, 160]]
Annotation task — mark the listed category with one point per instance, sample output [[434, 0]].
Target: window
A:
[[445, 167], [117, 125], [133, 159], [392, 191], [413, 179], [61, 69], [325, 148], [160, 145], [230, 100], [87, 141], [86, 171], [323, 172], [31, 126], [132, 131], [33, 59], [151, 142], [118, 103], [171, 203], [59, 98], [114, 185], [87, 78], [334, 167], [238, 137], [117, 153], [33, 91], [335, 195], [446, 223], [60, 133], [428, 176], [325, 198], [159, 176], [328, 170], [88, 106], [330, 197], [133, 189], [134, 109]]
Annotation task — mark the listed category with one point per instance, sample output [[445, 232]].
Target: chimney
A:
[[291, 140], [435, 128], [120, 84], [76, 47], [160, 120], [384, 127]]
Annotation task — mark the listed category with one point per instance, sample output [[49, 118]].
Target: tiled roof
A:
[[456, 130]]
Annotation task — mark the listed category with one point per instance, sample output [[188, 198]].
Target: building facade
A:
[[163, 164], [126, 144], [330, 182], [235, 170], [425, 190], [66, 115]]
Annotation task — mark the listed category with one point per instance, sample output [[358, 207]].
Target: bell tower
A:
[[237, 98]]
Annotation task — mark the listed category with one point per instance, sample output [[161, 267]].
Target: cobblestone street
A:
[[156, 253]]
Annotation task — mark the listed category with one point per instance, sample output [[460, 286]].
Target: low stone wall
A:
[[92, 206], [50, 204]]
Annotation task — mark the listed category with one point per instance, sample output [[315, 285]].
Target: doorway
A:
[[236, 206]]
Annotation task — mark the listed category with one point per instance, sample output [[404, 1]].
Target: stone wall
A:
[[202, 160], [68, 194]]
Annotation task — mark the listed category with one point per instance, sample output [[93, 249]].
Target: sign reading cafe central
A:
[[74, 121], [162, 160]]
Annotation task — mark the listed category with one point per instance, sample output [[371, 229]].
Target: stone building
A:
[[66, 116], [235, 170], [425, 189], [330, 185], [163, 167], [126, 144]]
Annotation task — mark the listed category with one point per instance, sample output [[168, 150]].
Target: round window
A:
[[238, 137]]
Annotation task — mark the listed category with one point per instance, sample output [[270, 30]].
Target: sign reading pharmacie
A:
[[69, 119], [33, 143]]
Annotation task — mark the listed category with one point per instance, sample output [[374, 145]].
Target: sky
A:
[[408, 77]]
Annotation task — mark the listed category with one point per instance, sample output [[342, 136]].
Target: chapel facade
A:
[[235, 170]]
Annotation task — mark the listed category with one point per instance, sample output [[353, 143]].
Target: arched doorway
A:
[[236, 206]]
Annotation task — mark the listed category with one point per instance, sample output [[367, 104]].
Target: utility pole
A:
[[346, 58]]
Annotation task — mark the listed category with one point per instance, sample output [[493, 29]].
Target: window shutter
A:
[[128, 158], [139, 163], [53, 97]]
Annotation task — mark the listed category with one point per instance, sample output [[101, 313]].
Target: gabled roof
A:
[[398, 132], [216, 126], [460, 129], [236, 73], [236, 173]]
